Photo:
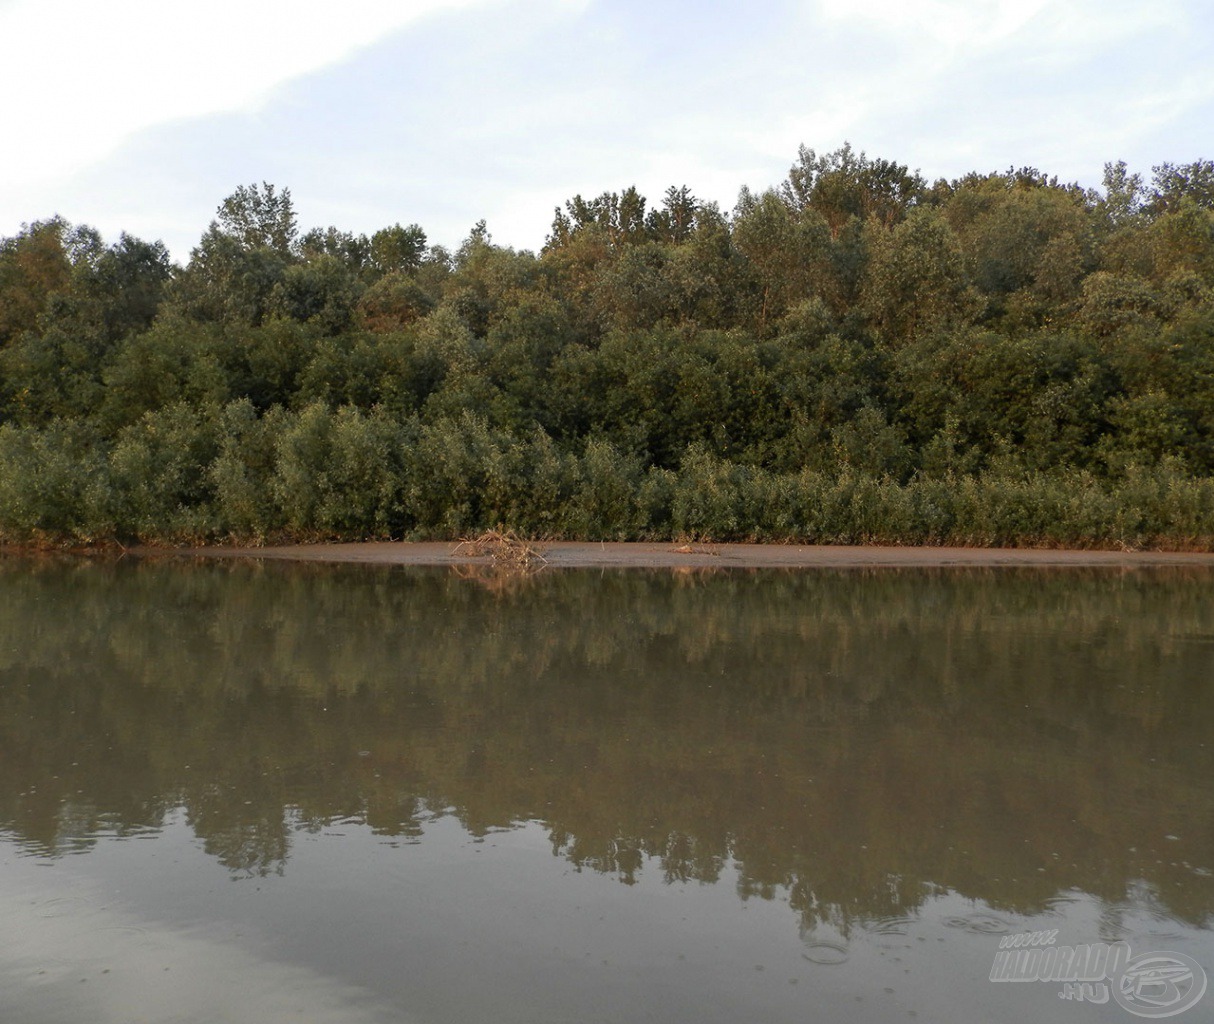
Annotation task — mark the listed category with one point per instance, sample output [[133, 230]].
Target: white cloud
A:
[[81, 77], [957, 85], [953, 22], [969, 24], [143, 117]]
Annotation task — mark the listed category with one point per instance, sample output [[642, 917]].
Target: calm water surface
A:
[[265, 793]]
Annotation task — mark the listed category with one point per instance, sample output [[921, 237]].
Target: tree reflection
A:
[[854, 740]]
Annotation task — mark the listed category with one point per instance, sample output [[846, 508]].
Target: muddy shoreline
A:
[[624, 555]]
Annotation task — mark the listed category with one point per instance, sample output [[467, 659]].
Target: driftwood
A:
[[696, 549], [506, 548]]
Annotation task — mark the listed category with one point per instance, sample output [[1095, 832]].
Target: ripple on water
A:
[[1058, 904], [891, 926], [62, 906], [825, 952], [979, 924]]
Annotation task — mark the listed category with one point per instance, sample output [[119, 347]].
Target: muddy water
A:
[[242, 793]]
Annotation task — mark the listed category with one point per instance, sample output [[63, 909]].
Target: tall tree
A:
[[259, 216], [33, 265], [676, 220], [122, 288], [846, 184], [619, 216], [1171, 184], [916, 278], [397, 249], [1123, 193], [786, 250], [353, 251]]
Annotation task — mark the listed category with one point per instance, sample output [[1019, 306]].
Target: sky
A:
[[141, 115]]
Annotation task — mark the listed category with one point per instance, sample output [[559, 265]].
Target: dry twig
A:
[[506, 548]]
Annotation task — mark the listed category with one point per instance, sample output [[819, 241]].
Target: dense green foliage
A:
[[853, 355]]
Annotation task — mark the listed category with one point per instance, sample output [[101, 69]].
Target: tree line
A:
[[852, 355]]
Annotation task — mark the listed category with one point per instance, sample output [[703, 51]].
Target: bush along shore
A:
[[854, 355]]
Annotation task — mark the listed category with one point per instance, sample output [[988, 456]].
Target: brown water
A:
[[238, 793]]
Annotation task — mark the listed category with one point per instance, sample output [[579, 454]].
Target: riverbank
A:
[[572, 555]]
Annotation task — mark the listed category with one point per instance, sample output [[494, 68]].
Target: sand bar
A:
[[572, 554]]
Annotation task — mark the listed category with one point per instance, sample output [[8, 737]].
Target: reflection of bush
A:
[[852, 739]]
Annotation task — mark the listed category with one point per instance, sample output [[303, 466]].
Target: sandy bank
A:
[[569, 554]]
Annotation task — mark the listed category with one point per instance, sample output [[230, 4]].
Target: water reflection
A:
[[70, 952], [857, 741]]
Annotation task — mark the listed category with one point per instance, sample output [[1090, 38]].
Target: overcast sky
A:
[[141, 115]]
